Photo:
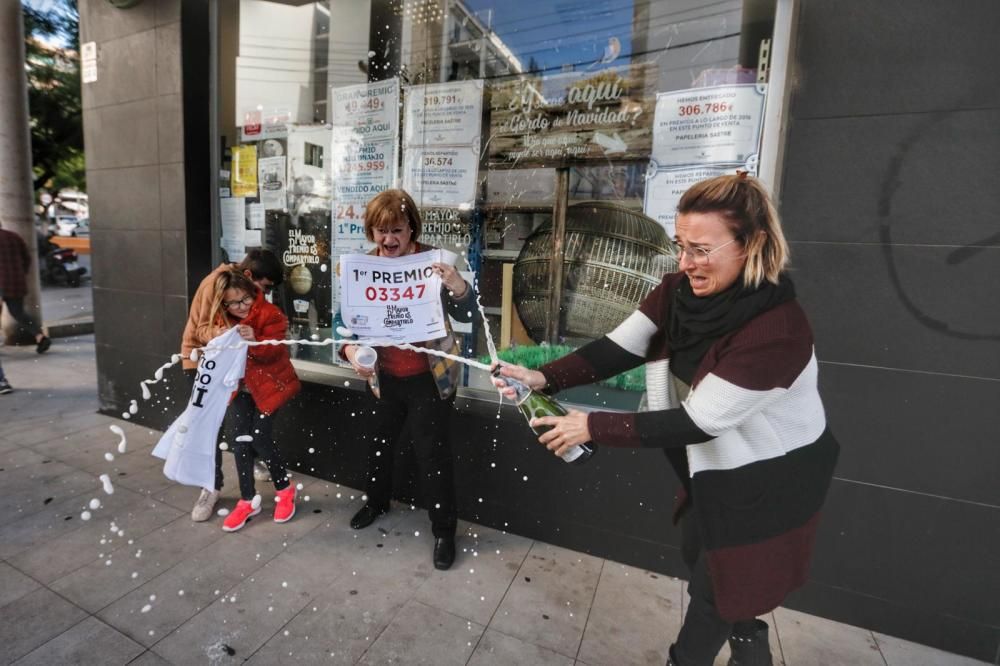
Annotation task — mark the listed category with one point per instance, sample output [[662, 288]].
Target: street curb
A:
[[66, 329]]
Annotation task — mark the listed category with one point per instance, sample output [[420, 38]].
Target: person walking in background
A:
[[417, 391], [15, 261], [264, 269], [731, 379], [5, 386]]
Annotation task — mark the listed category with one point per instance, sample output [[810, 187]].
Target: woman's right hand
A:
[[533, 379], [363, 372]]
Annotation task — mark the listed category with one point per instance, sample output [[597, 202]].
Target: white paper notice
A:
[[441, 176], [232, 213], [231, 217], [665, 187], [716, 125], [444, 114], [397, 298], [271, 179], [252, 238], [88, 62], [255, 216]]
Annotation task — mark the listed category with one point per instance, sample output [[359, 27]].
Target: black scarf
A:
[[697, 322]]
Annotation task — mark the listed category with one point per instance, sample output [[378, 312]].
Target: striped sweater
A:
[[749, 442]]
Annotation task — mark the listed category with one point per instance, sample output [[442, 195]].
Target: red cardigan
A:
[[269, 377]]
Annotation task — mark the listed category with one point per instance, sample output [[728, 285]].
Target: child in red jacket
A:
[[269, 382]]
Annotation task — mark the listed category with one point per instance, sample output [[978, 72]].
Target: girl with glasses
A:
[[268, 383]]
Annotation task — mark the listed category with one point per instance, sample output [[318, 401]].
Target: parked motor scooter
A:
[[59, 264]]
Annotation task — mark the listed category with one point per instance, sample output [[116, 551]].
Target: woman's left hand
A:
[[567, 431], [451, 279], [247, 333]]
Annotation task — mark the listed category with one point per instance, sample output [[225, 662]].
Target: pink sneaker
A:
[[237, 518], [284, 507]]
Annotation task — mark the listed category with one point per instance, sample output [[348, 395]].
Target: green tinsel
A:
[[531, 356]]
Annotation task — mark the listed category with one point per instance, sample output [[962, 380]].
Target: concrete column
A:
[[16, 197]]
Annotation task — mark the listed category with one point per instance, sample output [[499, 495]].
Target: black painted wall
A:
[[890, 201]]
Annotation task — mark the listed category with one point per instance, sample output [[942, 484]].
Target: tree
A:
[[54, 94]]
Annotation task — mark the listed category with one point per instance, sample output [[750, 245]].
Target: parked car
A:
[[82, 228], [67, 225]]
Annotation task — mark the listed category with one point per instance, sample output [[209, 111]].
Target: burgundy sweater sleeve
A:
[[667, 428]]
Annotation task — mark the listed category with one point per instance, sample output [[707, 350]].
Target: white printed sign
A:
[[441, 176], [369, 110], [665, 188], [444, 114], [88, 62], [397, 298], [271, 176], [715, 125], [361, 169]]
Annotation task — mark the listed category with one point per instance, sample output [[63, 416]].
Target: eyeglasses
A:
[[246, 300], [699, 255]]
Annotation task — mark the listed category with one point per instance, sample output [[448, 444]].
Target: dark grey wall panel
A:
[[923, 178], [895, 56], [118, 384], [902, 306], [126, 259], [911, 549], [124, 320], [915, 431], [124, 198]]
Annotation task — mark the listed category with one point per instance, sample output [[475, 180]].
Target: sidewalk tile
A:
[[487, 562], [14, 584], [807, 640], [420, 634], [89, 642], [496, 649], [99, 583], [635, 616], [179, 593], [245, 618], [33, 620], [548, 603]]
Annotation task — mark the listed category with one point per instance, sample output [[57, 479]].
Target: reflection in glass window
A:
[[565, 228]]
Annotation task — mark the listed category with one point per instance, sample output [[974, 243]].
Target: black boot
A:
[[444, 552], [366, 516], [750, 649], [671, 661]]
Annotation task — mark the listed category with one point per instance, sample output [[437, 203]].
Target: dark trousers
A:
[[413, 405], [703, 633], [246, 420], [16, 308], [190, 375]]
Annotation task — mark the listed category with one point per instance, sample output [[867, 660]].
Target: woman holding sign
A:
[[416, 391], [731, 379]]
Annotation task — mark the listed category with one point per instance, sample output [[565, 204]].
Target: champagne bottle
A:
[[533, 404]]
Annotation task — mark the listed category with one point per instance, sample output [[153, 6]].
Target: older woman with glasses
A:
[[731, 379]]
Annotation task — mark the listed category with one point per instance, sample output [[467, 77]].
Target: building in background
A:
[[872, 141]]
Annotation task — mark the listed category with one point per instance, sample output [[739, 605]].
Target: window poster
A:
[[271, 176], [576, 117], [441, 176], [665, 187], [716, 125], [244, 171], [441, 142], [397, 298], [448, 114], [363, 155], [232, 218]]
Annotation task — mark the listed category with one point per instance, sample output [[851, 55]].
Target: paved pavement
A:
[[140, 583]]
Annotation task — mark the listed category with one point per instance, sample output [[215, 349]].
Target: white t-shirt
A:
[[189, 444]]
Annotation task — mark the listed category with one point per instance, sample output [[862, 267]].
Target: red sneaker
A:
[[284, 506], [237, 518]]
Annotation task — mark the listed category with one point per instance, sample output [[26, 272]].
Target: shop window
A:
[[546, 143]]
